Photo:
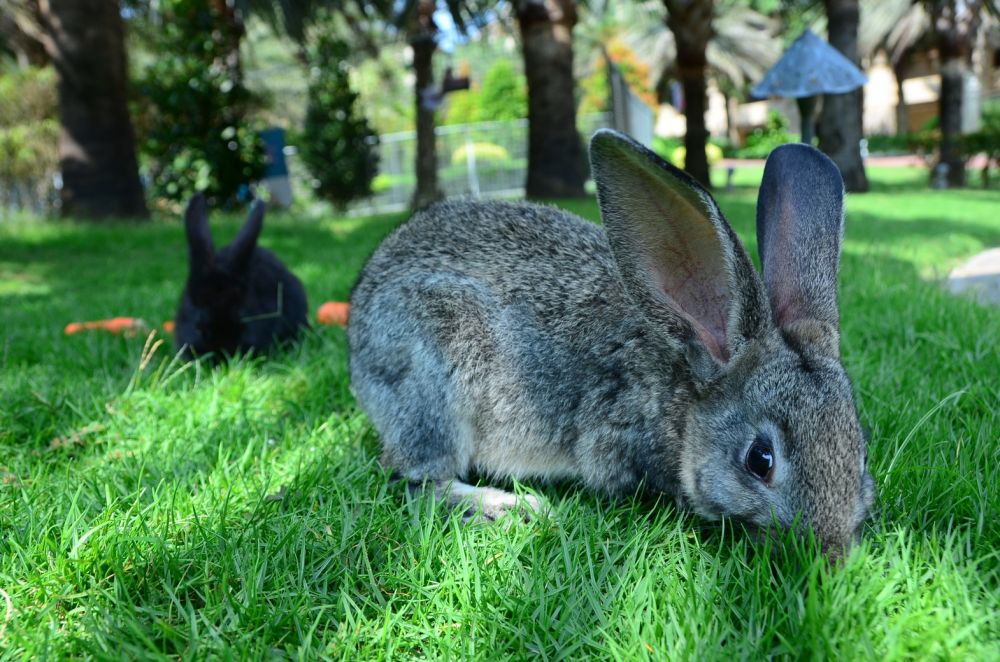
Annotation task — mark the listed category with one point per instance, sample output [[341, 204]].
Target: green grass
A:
[[149, 509]]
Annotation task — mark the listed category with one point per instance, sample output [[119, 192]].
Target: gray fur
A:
[[517, 340]]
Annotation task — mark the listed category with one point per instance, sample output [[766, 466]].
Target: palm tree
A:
[[956, 25], [741, 48], [901, 28], [556, 165], [19, 34], [952, 26], [690, 21], [85, 40], [422, 34], [840, 125]]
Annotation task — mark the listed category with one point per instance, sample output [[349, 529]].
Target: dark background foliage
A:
[[192, 109], [337, 144]]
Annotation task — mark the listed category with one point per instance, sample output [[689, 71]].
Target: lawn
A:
[[151, 509]]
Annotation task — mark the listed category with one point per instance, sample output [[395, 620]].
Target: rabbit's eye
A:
[[760, 459]]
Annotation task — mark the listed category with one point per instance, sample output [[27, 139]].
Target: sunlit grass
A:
[[153, 509]]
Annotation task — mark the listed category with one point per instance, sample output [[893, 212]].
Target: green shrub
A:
[[462, 107], [193, 108], [712, 152], [595, 90], [665, 146], [673, 150], [889, 144], [483, 151], [986, 140], [762, 141], [29, 133], [382, 182], [338, 146], [503, 96]]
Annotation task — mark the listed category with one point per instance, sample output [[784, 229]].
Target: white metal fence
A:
[[31, 197], [485, 159]]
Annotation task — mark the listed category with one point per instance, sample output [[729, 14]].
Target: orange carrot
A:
[[334, 313], [116, 325]]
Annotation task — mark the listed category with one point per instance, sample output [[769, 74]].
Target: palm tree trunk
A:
[[85, 39], [840, 123], [956, 24], [427, 191], [950, 115], [691, 23], [422, 39], [556, 166], [732, 113], [902, 119]]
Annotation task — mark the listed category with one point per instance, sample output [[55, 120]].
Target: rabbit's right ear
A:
[[246, 240], [679, 259], [800, 223], [199, 237]]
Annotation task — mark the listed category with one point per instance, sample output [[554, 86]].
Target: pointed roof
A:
[[809, 67]]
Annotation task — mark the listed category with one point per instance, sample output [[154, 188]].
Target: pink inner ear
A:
[[711, 335], [781, 272], [692, 277]]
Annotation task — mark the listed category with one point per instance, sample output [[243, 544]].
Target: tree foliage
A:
[[29, 132], [193, 109], [502, 96], [505, 94], [338, 145]]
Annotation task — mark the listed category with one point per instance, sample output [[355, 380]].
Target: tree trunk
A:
[[902, 119], [423, 42], [732, 113], [950, 116], [427, 191], [85, 39], [556, 165], [840, 122], [956, 24], [691, 23]]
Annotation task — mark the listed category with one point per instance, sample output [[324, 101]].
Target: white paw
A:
[[489, 504]]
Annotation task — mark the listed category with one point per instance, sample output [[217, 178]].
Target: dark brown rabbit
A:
[[516, 340], [240, 298]]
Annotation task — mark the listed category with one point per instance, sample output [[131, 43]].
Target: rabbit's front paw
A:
[[488, 504]]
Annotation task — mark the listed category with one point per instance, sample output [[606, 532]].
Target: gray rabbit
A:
[[517, 340]]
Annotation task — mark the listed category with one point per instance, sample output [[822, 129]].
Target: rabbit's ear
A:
[[199, 237], [246, 240], [800, 223], [677, 255]]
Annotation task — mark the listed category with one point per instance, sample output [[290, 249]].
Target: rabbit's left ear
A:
[[199, 237], [246, 240], [800, 224], [679, 259]]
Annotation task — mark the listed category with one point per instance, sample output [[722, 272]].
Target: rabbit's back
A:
[[524, 254], [498, 337]]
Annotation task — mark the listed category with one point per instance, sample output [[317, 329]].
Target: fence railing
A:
[[485, 159], [34, 197]]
